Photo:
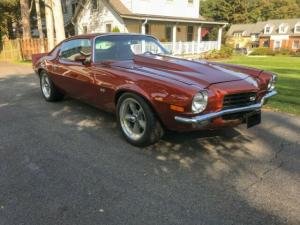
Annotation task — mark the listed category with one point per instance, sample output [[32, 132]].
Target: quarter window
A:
[[73, 48]]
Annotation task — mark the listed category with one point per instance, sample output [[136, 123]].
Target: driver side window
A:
[[73, 48]]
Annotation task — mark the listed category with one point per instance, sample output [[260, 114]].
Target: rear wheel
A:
[[137, 121], [49, 91]]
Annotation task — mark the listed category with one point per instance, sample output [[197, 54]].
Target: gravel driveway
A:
[[66, 163]]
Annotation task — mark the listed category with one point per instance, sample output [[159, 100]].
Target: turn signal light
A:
[[177, 108]]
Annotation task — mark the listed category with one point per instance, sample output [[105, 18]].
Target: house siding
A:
[[176, 8], [96, 20]]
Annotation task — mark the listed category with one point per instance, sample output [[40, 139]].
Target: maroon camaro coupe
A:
[[133, 76]]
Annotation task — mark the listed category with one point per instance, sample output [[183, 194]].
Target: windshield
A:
[[124, 47]]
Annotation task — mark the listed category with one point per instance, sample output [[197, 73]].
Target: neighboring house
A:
[[68, 8], [175, 22], [274, 34], [244, 35]]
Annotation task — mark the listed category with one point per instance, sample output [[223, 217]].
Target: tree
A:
[[39, 23], [59, 21], [25, 15], [249, 11], [49, 23], [274, 9], [9, 15]]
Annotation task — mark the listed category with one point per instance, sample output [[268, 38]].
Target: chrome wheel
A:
[[132, 119], [45, 83]]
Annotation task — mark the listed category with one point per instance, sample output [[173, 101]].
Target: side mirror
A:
[[82, 59]]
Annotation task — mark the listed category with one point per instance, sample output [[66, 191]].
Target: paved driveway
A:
[[66, 163]]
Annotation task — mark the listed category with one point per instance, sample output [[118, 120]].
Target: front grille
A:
[[239, 100]]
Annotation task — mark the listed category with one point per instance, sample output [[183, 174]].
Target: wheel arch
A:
[[141, 94]]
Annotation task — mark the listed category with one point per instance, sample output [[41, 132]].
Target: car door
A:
[[76, 78]]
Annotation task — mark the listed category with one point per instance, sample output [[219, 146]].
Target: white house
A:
[[176, 23]]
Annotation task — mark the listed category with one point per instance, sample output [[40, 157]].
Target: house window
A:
[[297, 29], [108, 28], [190, 1], [84, 28], [268, 30], [190, 33], [94, 4], [283, 28], [296, 44], [277, 44], [168, 33], [147, 28], [237, 34], [266, 44]]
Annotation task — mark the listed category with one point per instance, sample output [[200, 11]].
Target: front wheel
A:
[[137, 121], [49, 91]]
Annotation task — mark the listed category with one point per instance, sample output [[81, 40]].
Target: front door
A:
[[77, 78]]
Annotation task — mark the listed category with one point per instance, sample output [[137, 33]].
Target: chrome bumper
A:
[[207, 117]]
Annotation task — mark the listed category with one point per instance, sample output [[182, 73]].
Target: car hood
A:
[[186, 71]]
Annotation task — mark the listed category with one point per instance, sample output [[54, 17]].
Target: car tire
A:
[[49, 91], [137, 121]]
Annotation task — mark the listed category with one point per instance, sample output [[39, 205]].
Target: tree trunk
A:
[[25, 15], [59, 21], [49, 24], [39, 23]]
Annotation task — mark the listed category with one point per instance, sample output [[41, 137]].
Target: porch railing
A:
[[184, 48]]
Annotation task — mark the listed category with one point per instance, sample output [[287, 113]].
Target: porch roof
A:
[[149, 17]]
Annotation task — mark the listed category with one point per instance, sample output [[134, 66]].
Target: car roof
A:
[[93, 35]]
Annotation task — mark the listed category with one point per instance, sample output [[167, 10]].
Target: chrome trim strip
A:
[[206, 117]]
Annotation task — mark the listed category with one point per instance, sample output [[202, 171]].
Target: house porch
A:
[[178, 37]]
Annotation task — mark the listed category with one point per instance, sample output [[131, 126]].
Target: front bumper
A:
[[205, 118]]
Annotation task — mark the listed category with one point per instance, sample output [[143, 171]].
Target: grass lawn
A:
[[288, 86]]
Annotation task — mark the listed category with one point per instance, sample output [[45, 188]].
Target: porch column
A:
[[220, 38], [174, 38], [199, 38]]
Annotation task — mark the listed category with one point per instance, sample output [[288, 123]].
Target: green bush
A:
[[295, 54], [225, 52], [262, 51], [283, 51], [116, 30]]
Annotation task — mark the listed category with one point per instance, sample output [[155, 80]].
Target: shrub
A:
[[225, 52], [283, 51], [262, 51], [116, 30], [295, 54]]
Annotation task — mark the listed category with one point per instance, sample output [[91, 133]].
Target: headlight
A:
[[272, 82], [199, 102]]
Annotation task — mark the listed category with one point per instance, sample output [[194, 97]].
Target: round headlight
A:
[[199, 102], [272, 82]]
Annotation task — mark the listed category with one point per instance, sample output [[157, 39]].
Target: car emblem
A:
[[252, 98]]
